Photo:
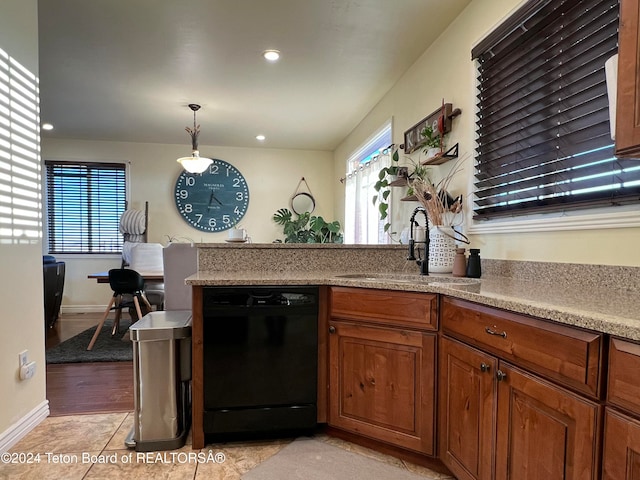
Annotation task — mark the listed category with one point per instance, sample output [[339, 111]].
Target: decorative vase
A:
[[432, 152], [442, 249]]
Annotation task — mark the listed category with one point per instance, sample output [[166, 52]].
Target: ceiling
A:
[[125, 70]]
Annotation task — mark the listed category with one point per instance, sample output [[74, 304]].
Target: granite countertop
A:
[[609, 310]]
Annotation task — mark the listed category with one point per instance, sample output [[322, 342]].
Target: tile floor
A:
[[92, 447]]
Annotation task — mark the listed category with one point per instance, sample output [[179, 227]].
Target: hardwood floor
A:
[[77, 388], [68, 326]]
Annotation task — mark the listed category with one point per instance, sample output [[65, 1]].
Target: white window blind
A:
[[20, 171]]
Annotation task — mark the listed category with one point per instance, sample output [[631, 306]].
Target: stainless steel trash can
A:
[[162, 381]]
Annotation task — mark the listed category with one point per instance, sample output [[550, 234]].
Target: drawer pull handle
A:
[[501, 375], [332, 329], [493, 332], [484, 367]]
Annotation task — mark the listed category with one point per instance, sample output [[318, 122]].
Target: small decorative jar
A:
[[460, 263]]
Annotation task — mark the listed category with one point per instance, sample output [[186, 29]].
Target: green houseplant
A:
[[431, 141], [307, 228], [386, 176]]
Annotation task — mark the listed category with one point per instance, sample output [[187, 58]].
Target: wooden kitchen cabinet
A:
[[498, 420], [623, 389], [563, 354], [467, 410], [382, 349], [381, 383], [628, 101], [621, 449], [543, 430]]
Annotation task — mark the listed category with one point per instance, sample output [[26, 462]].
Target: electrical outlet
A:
[[27, 371], [23, 358]]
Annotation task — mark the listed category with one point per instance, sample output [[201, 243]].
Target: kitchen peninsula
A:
[[533, 341]]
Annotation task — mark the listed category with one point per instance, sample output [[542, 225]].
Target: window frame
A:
[[561, 217], [90, 243], [355, 165]]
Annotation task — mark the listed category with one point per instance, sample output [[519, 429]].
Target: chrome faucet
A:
[[423, 263]]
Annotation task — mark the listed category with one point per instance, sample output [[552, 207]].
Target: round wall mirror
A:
[[303, 202]]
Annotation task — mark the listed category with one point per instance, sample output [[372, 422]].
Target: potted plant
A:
[[432, 141], [305, 228], [441, 209]]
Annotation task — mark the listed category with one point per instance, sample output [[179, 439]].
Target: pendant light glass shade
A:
[[195, 163]]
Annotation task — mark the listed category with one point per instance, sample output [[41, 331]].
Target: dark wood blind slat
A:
[[567, 75], [534, 167], [567, 178], [540, 50], [551, 139], [624, 196]]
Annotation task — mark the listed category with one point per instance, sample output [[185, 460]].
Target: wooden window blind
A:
[[543, 135], [84, 204]]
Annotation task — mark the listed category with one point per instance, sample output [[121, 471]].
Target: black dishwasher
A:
[[260, 360]]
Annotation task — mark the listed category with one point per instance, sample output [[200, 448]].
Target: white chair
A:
[[180, 262], [147, 258]]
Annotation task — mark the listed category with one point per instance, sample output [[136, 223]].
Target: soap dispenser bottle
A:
[[473, 265], [459, 263]]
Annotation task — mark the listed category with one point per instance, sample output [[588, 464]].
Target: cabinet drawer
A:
[[566, 354], [390, 307], [624, 384]]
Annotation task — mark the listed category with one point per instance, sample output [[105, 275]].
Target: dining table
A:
[[103, 277]]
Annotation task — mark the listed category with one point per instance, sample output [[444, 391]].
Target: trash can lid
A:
[[162, 326]]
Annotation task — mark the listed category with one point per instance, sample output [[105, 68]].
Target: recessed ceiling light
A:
[[260, 137], [47, 126], [271, 55]]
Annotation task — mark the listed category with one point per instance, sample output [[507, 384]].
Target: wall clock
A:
[[214, 200]]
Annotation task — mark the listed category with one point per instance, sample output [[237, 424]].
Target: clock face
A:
[[214, 200]]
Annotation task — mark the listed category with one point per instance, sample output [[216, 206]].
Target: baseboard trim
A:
[[22, 427], [82, 309]]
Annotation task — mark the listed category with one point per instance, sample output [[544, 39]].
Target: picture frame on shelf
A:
[[412, 137]]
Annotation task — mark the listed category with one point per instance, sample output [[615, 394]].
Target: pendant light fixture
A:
[[195, 163]]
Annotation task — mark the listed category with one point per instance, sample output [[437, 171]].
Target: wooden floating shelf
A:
[[444, 157], [410, 198], [399, 182]]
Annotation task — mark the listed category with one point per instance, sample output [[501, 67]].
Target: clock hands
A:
[[212, 198]]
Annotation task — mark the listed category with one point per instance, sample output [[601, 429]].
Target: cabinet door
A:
[[628, 101], [467, 410], [544, 432], [621, 460], [623, 388], [381, 384]]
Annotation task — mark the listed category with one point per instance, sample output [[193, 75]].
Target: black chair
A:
[[128, 290], [53, 281]]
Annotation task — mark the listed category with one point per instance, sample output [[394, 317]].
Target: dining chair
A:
[[128, 291], [147, 258]]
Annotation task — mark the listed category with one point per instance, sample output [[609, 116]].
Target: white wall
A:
[[272, 176], [446, 70], [22, 311]]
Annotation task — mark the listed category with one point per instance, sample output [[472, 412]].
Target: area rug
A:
[[106, 348], [309, 459]]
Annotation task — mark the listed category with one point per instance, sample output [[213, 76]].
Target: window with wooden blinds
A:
[[543, 137]]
